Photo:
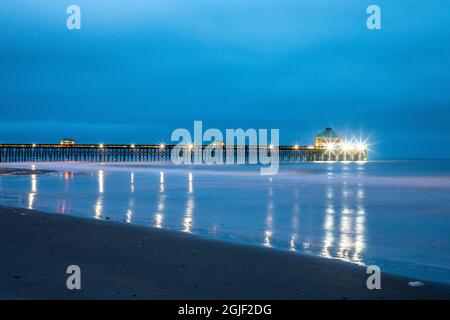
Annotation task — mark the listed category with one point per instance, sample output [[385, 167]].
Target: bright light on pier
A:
[[346, 146], [330, 146], [133, 146], [361, 146], [162, 145], [340, 149]]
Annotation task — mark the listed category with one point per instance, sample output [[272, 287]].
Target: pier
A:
[[328, 146], [159, 153]]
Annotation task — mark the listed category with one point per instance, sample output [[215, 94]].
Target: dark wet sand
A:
[[119, 261], [17, 171]]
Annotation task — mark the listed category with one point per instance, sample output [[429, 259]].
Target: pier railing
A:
[[162, 153]]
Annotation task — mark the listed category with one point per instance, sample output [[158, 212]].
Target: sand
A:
[[18, 171], [120, 261]]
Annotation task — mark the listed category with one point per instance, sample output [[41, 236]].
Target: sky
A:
[[138, 69]]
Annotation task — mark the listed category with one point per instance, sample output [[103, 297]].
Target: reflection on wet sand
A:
[[189, 210], [129, 215], [359, 236], [328, 224], [190, 186], [360, 226], [159, 216], [269, 217], [329, 228], [68, 175], [32, 194], [343, 222], [345, 240], [101, 181], [351, 228], [161, 182], [295, 221], [98, 208], [63, 207]]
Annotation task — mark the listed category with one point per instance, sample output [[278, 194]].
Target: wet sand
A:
[[18, 171], [120, 261]]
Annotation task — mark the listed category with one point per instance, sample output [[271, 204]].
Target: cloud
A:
[[296, 65]]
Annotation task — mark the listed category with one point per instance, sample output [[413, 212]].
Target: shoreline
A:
[[120, 261], [21, 171]]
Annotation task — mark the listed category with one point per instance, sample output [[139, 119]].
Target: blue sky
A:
[[139, 69]]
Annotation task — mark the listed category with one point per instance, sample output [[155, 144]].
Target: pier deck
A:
[[162, 153]]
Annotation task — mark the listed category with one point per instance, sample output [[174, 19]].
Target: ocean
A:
[[394, 214]]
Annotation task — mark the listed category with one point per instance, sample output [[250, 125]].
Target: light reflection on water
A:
[[327, 215], [189, 210], [159, 216], [295, 221], [346, 244], [269, 217], [32, 194], [98, 208], [132, 182]]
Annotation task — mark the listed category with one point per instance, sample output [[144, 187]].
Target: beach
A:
[[21, 171], [120, 261], [367, 214]]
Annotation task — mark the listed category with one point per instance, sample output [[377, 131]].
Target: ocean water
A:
[[395, 214]]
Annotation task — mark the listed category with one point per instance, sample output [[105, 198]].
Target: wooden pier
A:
[[162, 153]]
